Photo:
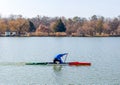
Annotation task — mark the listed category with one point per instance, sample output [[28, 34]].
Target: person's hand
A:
[[66, 53]]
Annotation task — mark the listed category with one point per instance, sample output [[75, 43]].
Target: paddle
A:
[[66, 57]]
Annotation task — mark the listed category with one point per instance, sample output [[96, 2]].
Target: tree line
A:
[[76, 26]]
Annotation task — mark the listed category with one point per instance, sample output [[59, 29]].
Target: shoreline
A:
[[58, 34], [64, 36]]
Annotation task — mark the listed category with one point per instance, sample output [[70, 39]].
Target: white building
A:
[[7, 32]]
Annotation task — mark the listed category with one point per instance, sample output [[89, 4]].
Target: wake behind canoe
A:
[[67, 63]]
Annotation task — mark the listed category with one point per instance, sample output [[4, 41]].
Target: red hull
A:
[[79, 63]]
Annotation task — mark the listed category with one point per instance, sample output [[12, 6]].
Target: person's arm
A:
[[65, 53], [61, 55]]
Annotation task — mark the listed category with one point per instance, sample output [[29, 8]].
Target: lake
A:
[[103, 53]]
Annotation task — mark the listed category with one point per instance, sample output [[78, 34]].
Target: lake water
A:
[[103, 53]]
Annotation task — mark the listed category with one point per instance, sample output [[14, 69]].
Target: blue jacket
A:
[[59, 56]]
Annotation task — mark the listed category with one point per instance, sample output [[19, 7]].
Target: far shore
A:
[[58, 34]]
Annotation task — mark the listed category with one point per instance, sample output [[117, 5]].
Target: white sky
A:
[[67, 8]]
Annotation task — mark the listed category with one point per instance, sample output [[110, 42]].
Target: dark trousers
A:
[[56, 60]]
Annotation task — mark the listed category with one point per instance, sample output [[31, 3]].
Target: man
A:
[[58, 60]]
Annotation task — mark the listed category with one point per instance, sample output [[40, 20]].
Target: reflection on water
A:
[[58, 74], [57, 68], [12, 63]]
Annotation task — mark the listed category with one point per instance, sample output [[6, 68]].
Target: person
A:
[[58, 60]]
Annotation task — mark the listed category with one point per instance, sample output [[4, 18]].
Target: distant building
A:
[[7, 32]]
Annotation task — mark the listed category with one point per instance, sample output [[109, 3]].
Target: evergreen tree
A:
[[59, 26], [32, 27]]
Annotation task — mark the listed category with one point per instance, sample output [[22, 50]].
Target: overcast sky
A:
[[67, 8]]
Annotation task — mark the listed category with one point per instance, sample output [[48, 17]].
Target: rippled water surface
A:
[[103, 53]]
